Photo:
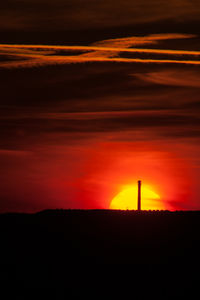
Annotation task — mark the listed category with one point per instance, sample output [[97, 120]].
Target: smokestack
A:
[[139, 194]]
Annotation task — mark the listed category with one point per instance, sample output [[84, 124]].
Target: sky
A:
[[96, 95]]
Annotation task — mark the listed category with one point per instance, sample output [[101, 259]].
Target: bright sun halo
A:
[[127, 199]]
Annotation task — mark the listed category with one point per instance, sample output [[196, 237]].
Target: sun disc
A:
[[127, 199]]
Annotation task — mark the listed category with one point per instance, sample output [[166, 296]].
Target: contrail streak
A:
[[100, 48]]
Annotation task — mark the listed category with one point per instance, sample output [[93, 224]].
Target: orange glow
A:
[[112, 168], [127, 199]]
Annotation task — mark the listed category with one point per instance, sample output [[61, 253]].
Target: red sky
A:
[[91, 102]]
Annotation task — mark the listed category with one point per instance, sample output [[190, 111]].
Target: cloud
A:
[[49, 106], [185, 78], [104, 51], [78, 14], [141, 40], [57, 60], [161, 122]]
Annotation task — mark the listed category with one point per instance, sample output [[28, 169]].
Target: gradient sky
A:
[[96, 95]]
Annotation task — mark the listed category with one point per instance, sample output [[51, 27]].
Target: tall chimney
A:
[[139, 194]]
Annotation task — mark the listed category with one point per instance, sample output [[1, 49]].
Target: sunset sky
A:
[[96, 95]]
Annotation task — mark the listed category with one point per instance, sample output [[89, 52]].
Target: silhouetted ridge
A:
[[60, 242]]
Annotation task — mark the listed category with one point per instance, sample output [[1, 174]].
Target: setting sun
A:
[[127, 199]]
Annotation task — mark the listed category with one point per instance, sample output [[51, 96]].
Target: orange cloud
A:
[[103, 51], [142, 40], [173, 78]]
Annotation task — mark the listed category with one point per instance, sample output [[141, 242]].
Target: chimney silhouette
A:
[[139, 195]]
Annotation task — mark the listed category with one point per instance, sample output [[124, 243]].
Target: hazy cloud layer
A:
[[76, 14]]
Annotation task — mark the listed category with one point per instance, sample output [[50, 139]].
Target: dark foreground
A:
[[74, 247]]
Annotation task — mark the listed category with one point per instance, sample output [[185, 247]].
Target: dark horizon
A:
[[99, 210]]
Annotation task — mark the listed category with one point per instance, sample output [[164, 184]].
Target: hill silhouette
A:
[[59, 242]]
